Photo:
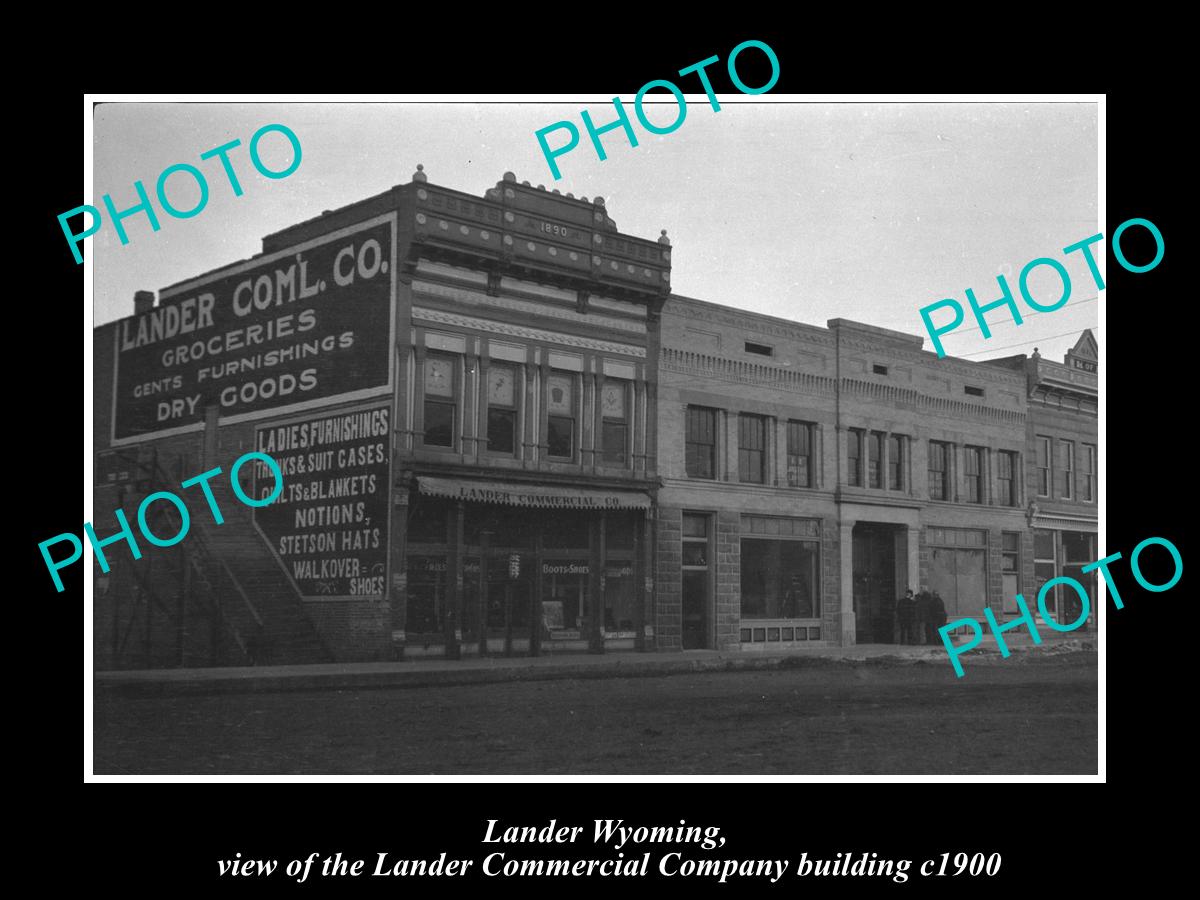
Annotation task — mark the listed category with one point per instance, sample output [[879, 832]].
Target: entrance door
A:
[[874, 571], [695, 602], [696, 569]]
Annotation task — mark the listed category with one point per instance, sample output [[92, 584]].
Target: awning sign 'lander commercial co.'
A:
[[532, 496], [289, 331]]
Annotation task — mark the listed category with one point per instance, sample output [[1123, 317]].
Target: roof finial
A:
[[509, 176], [663, 239], [419, 175]]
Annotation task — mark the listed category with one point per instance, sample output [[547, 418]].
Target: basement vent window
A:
[[760, 349], [879, 370], [973, 391]]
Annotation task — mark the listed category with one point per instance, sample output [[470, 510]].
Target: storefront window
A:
[[1010, 543], [506, 596], [619, 597], [780, 577], [426, 597], [1045, 567], [1079, 549], [564, 598], [958, 569]]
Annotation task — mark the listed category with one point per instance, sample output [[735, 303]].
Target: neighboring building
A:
[[500, 432], [812, 474], [1063, 471], [450, 383]]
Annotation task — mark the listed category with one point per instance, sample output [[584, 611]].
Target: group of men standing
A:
[[920, 617]]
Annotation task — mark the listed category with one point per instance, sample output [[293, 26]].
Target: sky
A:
[[807, 211]]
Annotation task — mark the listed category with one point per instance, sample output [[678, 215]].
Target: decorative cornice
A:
[[742, 372], [476, 299], [532, 334], [931, 365]]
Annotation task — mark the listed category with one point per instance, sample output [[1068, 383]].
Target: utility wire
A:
[[1048, 337], [1027, 315]]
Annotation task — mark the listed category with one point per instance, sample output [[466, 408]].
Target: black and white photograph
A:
[[698, 435]]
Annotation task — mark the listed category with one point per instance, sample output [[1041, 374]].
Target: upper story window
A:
[[502, 399], [700, 442], [1089, 473], [1042, 449], [1007, 463], [441, 391], [854, 448], [973, 473], [560, 415], [760, 349], [875, 459], [800, 454], [895, 466], [973, 391], [939, 470], [614, 408], [1066, 456], [878, 369], [752, 448]]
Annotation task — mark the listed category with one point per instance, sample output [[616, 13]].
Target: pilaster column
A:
[[398, 589], [846, 617], [914, 559]]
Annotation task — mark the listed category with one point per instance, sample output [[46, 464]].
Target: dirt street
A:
[[1031, 716]]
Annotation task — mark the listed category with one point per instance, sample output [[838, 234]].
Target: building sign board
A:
[[329, 527], [294, 330]]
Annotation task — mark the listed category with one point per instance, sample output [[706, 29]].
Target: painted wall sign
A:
[[329, 528], [289, 331]]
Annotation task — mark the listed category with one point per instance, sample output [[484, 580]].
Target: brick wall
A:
[[729, 575], [831, 581], [357, 630]]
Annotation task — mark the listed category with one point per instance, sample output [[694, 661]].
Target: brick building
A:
[[812, 474], [461, 394], [1062, 470], [500, 432]]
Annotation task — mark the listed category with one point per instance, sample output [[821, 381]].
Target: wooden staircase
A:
[[217, 598]]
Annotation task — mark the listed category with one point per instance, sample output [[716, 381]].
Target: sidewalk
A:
[[628, 664]]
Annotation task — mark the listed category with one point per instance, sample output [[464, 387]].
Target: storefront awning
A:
[[530, 495], [1065, 523]]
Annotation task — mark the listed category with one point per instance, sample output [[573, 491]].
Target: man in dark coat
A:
[[936, 618], [921, 617], [906, 613]]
